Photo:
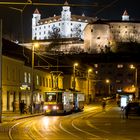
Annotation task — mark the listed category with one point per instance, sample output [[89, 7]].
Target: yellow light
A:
[[75, 64], [36, 45], [132, 66], [89, 70], [107, 81]]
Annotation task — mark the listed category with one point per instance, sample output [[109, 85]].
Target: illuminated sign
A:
[[25, 87]]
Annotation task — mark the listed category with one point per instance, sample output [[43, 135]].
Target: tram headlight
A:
[[45, 107], [54, 107]]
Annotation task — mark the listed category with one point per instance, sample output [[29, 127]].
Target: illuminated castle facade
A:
[[102, 33], [96, 33], [65, 25]]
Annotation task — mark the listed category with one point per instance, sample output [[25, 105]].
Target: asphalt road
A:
[[91, 124]]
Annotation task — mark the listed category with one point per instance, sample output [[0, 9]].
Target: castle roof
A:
[[125, 13], [36, 11], [73, 18], [66, 3]]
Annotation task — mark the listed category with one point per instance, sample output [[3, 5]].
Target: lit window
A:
[[25, 77], [29, 78], [96, 72], [37, 80], [119, 66], [96, 65]]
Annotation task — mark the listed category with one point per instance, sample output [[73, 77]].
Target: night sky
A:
[[107, 9]]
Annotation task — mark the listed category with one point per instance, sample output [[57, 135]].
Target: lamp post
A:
[[74, 83], [0, 71], [89, 70], [32, 85], [136, 79], [108, 82]]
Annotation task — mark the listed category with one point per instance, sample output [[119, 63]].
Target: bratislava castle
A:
[[96, 33], [66, 25]]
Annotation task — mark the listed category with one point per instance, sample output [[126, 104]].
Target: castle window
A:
[[119, 26], [91, 30], [39, 27], [134, 27], [125, 26], [98, 37], [39, 33], [44, 27], [126, 32], [44, 32], [71, 23]]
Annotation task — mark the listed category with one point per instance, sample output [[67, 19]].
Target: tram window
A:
[[59, 99], [50, 97]]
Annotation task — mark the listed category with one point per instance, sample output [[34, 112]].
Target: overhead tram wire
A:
[[105, 7], [49, 4], [21, 19]]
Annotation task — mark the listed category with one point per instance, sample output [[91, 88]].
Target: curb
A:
[[22, 117]]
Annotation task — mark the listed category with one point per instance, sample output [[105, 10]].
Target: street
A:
[[91, 124]]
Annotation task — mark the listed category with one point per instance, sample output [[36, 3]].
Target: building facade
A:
[[64, 26], [17, 80], [102, 33]]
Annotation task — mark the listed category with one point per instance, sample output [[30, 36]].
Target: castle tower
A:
[[125, 16], [66, 14], [65, 20], [36, 18]]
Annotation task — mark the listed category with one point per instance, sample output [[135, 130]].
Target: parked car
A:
[[133, 108]]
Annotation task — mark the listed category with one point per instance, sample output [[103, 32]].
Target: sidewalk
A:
[[8, 116]]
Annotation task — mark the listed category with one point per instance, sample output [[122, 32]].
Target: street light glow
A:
[[89, 70], [36, 45], [132, 66], [107, 81], [75, 64]]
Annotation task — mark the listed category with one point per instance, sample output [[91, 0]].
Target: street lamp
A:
[[89, 70], [136, 79], [35, 45], [74, 83], [0, 71], [108, 82]]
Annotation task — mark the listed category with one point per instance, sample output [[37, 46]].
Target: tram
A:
[[78, 101], [56, 102], [63, 102]]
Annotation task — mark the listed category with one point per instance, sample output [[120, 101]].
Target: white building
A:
[[65, 26]]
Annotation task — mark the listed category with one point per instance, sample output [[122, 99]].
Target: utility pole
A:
[[0, 71]]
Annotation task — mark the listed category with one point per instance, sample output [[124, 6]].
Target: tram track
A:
[[85, 116], [64, 126]]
